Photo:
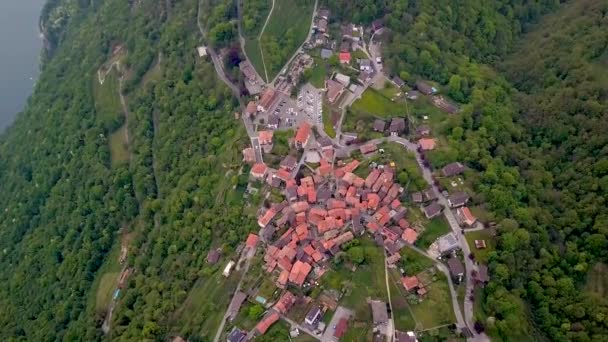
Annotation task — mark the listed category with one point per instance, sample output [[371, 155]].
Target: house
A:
[[425, 87], [341, 328], [323, 13], [410, 283], [213, 256], [428, 195], [252, 240], [365, 65], [252, 108], [427, 144], [325, 143], [265, 137], [343, 79], [465, 216], [379, 125], [248, 71], [322, 25], [313, 316], [377, 25], [248, 155], [391, 260], [345, 46], [202, 51], [285, 303], [235, 304], [334, 90], [368, 149], [345, 57], [379, 313], [448, 243], [458, 199], [417, 197], [452, 169], [409, 235], [302, 135], [480, 244], [228, 269], [269, 97], [432, 210], [299, 272], [273, 121], [397, 126], [266, 322], [456, 269], [423, 130], [412, 95], [398, 81], [326, 53], [237, 335], [288, 163], [259, 170]]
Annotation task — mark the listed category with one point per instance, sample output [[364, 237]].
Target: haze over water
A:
[[20, 45]]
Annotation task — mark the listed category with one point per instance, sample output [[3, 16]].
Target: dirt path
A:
[[390, 330], [260, 39]]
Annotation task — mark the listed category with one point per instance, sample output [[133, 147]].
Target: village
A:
[[326, 192]]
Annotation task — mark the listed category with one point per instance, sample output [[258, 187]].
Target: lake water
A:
[[20, 45]]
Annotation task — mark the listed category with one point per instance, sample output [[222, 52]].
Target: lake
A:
[[20, 45]]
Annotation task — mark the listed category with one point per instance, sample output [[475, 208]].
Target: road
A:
[[312, 21], [390, 329]]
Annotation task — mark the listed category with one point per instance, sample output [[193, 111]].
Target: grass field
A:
[[106, 288], [106, 280], [119, 152], [367, 281], [433, 229], [436, 308], [318, 74], [107, 100], [481, 255], [254, 54], [413, 262], [372, 102], [198, 314], [287, 28], [597, 279], [328, 125], [402, 314]]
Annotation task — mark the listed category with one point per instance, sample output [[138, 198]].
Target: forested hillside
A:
[[65, 205], [533, 123]]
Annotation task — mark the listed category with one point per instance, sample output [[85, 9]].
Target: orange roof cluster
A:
[[285, 302], [267, 322], [303, 133], [259, 170], [299, 272]]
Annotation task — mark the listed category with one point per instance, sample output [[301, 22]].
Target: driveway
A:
[[341, 312]]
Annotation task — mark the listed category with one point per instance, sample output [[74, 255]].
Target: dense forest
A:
[[531, 80], [533, 125]]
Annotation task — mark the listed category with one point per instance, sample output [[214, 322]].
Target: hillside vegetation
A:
[[533, 121]]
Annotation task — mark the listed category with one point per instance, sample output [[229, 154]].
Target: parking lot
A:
[[310, 102]]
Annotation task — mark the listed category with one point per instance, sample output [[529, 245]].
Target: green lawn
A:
[[287, 28], [106, 280], [328, 125], [362, 333], [318, 74], [374, 103], [433, 229], [413, 262], [119, 152], [254, 54], [106, 288], [481, 255], [436, 307], [107, 101], [367, 281], [404, 320]]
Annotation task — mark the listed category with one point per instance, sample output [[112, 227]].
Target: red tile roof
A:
[[318, 211], [259, 170], [303, 133], [404, 224], [467, 216], [299, 272], [427, 144], [409, 283], [334, 204], [409, 235], [341, 328], [252, 240], [267, 98], [285, 302], [248, 155], [371, 178], [266, 322], [283, 175], [283, 277], [345, 57], [373, 200], [267, 217], [252, 108], [299, 207], [368, 148], [265, 137]]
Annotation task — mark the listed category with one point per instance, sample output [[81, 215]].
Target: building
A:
[[343, 79], [456, 269], [213, 256], [410, 283], [237, 335], [273, 121], [313, 316], [377, 25], [397, 126], [379, 314], [341, 328], [448, 243], [249, 155], [466, 217], [425, 88], [412, 95], [401, 336], [368, 149], [427, 144], [345, 57], [299, 272], [228, 269], [398, 81], [285, 303], [267, 322], [458, 199], [324, 13], [322, 25], [480, 244], [252, 108], [365, 65], [248, 71], [259, 170], [379, 125], [423, 130], [288, 163], [202, 51], [265, 137], [269, 97], [409, 235], [345, 46], [326, 53], [252, 240], [417, 197], [334, 90], [452, 169], [432, 210], [302, 135], [235, 304]]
